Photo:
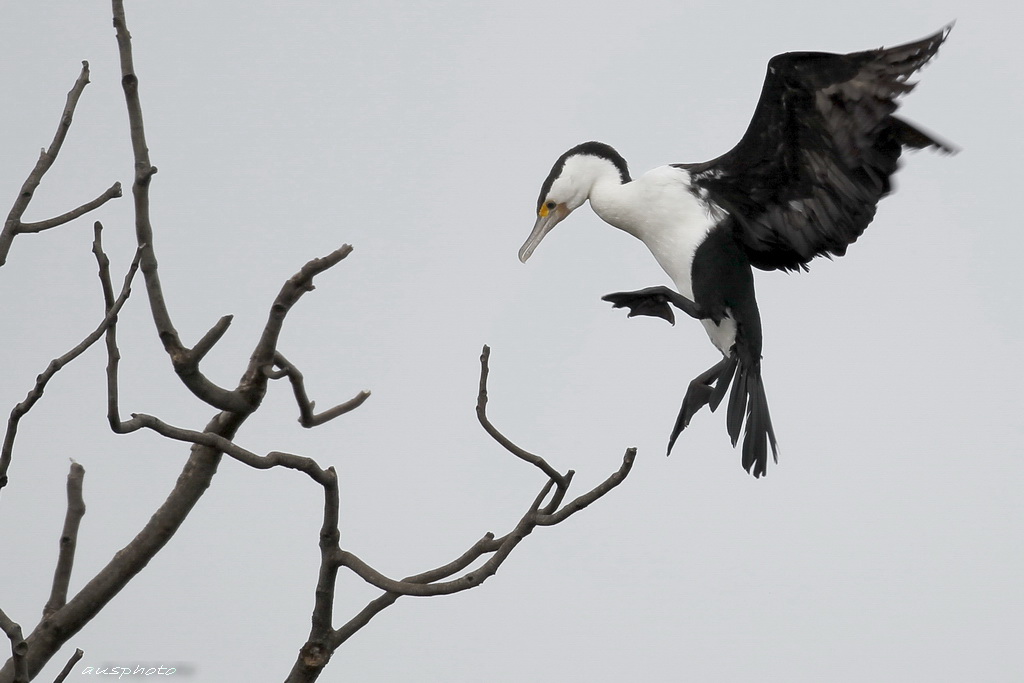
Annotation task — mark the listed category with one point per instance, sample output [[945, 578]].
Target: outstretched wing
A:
[[817, 156]]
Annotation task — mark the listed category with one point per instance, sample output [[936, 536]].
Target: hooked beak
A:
[[546, 221]]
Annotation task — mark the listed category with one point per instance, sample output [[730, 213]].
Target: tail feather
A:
[[758, 434], [762, 401], [755, 457], [737, 405], [747, 403]]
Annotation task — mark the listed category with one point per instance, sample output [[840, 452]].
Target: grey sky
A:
[[885, 546]]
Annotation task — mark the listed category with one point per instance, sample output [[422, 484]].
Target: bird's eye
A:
[[550, 206]]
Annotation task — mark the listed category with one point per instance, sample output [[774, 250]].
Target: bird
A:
[[803, 181]]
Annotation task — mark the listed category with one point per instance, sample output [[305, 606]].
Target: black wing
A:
[[818, 153]]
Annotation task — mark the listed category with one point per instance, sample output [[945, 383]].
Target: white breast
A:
[[660, 210]]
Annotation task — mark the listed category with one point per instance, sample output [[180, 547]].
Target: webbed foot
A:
[[706, 388], [654, 301]]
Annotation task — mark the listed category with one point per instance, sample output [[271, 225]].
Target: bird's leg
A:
[[700, 393], [654, 301]]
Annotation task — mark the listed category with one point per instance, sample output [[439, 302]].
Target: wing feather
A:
[[818, 154]]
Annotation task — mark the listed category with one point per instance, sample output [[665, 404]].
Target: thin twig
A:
[[559, 495], [55, 365], [13, 225], [377, 605], [467, 581], [68, 541], [112, 192], [66, 671], [209, 339], [263, 355], [307, 418], [427, 584], [226, 446], [323, 641], [481, 413], [110, 338], [589, 497]]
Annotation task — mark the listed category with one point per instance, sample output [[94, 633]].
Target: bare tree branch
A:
[[246, 397], [227, 447], [262, 358], [113, 354], [112, 192], [63, 617], [62, 676], [19, 647], [210, 339], [52, 632], [324, 639], [307, 418], [589, 497], [314, 651], [68, 541], [54, 367], [561, 481], [103, 266], [13, 225], [317, 651], [471, 579], [183, 360], [55, 629], [481, 413], [501, 548]]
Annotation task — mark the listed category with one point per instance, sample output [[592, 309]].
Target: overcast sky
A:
[[886, 545]]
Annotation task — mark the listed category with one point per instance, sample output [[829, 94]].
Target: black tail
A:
[[747, 400]]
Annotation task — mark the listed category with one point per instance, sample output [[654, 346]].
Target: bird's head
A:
[[568, 186]]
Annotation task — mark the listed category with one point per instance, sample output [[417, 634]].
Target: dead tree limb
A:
[[64, 617], [19, 647], [66, 671], [68, 541], [19, 411], [14, 226], [481, 413], [184, 361], [308, 418], [324, 639]]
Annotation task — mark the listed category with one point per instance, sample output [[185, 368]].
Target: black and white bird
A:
[[803, 181]]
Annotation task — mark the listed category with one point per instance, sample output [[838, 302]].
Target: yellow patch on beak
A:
[[543, 213]]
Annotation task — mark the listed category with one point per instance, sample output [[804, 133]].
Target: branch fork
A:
[[13, 225], [64, 616]]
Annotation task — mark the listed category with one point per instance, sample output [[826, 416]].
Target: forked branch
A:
[[481, 413], [19, 411], [324, 639], [308, 418], [14, 226], [185, 361], [64, 616]]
